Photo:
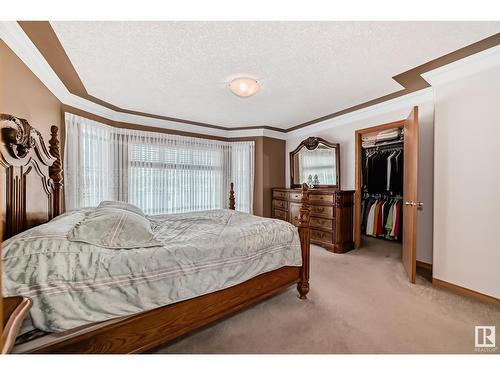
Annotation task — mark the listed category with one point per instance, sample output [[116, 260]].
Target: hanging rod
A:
[[391, 143], [381, 196]]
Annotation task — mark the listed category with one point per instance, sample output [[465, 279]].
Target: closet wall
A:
[[341, 130], [467, 182]]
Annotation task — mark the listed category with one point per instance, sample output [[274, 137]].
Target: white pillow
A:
[[114, 229], [122, 206]]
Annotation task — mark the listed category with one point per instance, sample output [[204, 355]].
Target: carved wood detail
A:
[[312, 143], [55, 170], [17, 136], [23, 153]]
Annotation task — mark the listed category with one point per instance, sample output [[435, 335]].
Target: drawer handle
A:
[[317, 209], [317, 197]]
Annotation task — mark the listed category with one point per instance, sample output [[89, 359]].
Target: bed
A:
[[203, 266]]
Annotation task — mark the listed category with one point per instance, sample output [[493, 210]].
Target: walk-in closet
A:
[[382, 185], [386, 188]]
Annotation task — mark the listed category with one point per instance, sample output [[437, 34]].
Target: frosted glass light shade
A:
[[244, 87]]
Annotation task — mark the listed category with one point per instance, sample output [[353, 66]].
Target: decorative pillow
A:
[[122, 206], [114, 229]]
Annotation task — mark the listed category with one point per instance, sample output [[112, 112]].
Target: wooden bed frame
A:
[[30, 170]]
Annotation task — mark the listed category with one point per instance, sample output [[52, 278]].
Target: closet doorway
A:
[[409, 182]]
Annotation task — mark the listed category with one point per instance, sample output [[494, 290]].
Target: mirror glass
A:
[[316, 167]]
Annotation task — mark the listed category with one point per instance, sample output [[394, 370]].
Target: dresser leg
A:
[[303, 288]]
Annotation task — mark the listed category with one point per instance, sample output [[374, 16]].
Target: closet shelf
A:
[[378, 146]]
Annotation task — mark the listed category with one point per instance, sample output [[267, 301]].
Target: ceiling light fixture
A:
[[244, 87]]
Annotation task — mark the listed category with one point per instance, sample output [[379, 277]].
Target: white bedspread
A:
[[73, 283]]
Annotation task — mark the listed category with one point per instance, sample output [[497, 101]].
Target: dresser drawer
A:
[[321, 223], [296, 196], [321, 236], [280, 194], [283, 205], [324, 211], [279, 214], [327, 198]]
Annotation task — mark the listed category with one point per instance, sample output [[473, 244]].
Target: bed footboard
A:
[[304, 234]]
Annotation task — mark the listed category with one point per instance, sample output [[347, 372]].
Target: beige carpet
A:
[[360, 302]]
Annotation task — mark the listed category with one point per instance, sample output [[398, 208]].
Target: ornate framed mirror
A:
[[315, 162]]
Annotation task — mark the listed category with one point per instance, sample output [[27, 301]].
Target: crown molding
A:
[[402, 102], [17, 40], [12, 34], [467, 66]]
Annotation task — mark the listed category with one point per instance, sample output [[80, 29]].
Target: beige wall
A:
[[467, 182], [273, 171], [24, 95], [344, 134], [269, 171]]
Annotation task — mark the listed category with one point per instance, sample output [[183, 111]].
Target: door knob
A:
[[420, 204]]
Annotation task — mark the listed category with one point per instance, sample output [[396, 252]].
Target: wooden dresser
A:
[[331, 215]]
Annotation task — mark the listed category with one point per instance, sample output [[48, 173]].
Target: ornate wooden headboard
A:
[[31, 176]]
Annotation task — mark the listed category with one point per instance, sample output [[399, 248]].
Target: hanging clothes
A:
[[383, 217], [376, 219], [370, 219], [383, 171], [382, 177], [366, 204], [389, 224], [380, 221]]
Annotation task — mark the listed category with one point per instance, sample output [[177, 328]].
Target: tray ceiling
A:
[[307, 69]]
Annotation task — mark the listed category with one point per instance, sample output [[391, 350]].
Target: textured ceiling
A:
[[306, 69]]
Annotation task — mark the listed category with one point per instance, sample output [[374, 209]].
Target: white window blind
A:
[[158, 172]]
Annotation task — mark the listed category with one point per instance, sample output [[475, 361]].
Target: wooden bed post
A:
[[55, 171], [231, 197], [303, 227]]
